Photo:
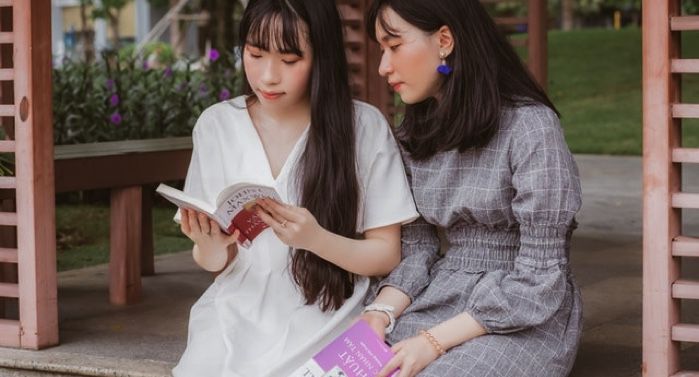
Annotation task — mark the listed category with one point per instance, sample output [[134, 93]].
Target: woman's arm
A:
[[375, 255]]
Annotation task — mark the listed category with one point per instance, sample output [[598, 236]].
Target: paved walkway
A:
[[145, 340]]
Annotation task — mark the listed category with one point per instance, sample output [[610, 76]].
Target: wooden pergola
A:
[[28, 282], [664, 197]]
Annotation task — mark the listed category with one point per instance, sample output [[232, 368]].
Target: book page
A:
[[182, 200], [237, 206]]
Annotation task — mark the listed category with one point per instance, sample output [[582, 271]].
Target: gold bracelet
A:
[[433, 341]]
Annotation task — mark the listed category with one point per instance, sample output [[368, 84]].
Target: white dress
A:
[[252, 321]]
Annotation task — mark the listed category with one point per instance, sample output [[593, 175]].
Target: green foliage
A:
[[121, 98]]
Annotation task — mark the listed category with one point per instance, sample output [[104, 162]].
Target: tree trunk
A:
[[114, 25], [86, 35], [567, 15]]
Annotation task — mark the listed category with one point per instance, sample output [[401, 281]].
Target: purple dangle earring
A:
[[444, 68]]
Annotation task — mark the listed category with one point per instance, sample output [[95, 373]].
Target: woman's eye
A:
[[394, 47]]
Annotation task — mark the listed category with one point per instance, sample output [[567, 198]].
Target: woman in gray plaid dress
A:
[[489, 169]]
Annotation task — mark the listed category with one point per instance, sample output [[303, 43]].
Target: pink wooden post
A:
[[663, 244], [33, 146]]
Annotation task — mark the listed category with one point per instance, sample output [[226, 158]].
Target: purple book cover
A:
[[357, 352]]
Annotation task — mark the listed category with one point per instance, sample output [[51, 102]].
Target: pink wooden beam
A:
[[686, 23], [8, 255], [684, 110], [7, 38], [9, 290], [9, 333], [7, 146], [685, 200], [685, 65], [683, 246], [36, 227], [686, 374], [8, 183], [686, 289], [685, 332], [8, 218], [686, 155], [7, 110], [7, 74], [661, 178]]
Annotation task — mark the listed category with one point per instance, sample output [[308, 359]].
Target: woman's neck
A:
[[295, 116]]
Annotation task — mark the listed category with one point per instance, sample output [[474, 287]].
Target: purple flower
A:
[[115, 118], [214, 55], [109, 84], [202, 89], [224, 95], [114, 100], [167, 72], [145, 65]]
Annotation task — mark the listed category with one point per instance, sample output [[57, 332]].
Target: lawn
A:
[[82, 234], [594, 80]]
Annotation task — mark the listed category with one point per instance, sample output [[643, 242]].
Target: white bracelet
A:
[[386, 309]]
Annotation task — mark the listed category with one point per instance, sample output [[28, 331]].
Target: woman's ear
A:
[[446, 40]]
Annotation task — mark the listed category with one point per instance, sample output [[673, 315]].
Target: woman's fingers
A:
[[271, 221], [394, 363], [204, 223], [193, 222], [215, 230], [281, 212], [184, 222]]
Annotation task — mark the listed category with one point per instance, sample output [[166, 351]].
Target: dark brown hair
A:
[[327, 176], [487, 76]]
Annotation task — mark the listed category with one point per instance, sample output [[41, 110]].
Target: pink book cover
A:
[[358, 352]]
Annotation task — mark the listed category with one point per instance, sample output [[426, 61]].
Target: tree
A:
[[110, 11]]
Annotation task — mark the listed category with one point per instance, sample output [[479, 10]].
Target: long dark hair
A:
[[327, 176], [488, 75]]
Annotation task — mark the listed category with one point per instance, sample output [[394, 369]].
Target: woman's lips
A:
[[271, 95]]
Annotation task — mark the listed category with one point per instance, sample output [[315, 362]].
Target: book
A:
[[357, 352], [235, 207]]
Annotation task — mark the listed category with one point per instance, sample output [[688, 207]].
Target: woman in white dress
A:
[[339, 173]]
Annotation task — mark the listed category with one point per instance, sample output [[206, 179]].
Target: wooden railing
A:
[[664, 197]]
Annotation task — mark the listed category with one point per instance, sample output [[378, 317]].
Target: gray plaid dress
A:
[[507, 212]]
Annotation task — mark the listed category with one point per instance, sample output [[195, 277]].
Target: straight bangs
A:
[[279, 30]]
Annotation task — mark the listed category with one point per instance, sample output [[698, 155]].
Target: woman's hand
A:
[[211, 243], [412, 356], [378, 322], [295, 226]]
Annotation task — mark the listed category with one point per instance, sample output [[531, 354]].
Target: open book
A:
[[234, 208], [357, 352]]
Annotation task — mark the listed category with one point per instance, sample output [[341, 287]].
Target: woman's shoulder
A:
[[369, 122], [529, 119]]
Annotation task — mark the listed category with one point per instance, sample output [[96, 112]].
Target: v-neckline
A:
[[261, 147]]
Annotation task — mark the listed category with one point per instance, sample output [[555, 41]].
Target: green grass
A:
[[82, 234], [595, 81]]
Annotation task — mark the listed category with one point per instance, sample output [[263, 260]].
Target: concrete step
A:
[[48, 363]]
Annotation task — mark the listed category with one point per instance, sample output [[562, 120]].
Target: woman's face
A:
[[410, 58], [278, 78]]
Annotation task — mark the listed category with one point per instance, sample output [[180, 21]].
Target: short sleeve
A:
[[204, 176], [387, 198]]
